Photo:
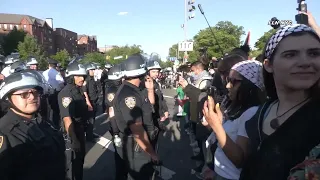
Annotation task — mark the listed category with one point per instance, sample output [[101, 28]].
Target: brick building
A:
[[65, 39], [40, 29], [87, 44]]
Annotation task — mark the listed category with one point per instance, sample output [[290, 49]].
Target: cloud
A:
[[122, 13]]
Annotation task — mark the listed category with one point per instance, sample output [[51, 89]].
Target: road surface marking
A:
[[168, 97], [105, 142], [166, 173]]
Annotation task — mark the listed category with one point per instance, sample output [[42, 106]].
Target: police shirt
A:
[[72, 103], [6, 71], [109, 97], [90, 86], [30, 149], [160, 103], [131, 105]]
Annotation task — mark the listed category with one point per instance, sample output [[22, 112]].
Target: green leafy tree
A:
[[62, 57], [228, 37], [10, 42], [261, 42], [30, 47], [94, 57], [123, 51], [165, 64]]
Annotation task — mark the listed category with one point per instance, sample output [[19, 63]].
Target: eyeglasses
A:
[[26, 95], [233, 81]]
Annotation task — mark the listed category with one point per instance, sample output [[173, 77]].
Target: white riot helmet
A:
[[90, 66], [17, 81], [153, 65], [32, 61], [115, 73], [11, 59], [134, 66], [108, 66], [17, 67], [76, 69]]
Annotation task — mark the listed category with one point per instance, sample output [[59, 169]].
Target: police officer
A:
[[73, 112], [32, 63], [91, 92], [54, 78], [114, 81], [30, 147], [103, 79], [133, 112], [161, 109]]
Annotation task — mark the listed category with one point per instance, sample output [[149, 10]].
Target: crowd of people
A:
[[247, 119], [257, 119]]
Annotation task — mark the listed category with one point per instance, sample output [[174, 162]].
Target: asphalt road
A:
[[174, 150]]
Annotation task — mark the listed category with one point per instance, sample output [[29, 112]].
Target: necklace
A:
[[274, 123]]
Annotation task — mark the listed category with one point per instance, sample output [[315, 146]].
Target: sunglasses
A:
[[232, 80], [26, 95]]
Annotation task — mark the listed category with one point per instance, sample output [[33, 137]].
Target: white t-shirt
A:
[[222, 165], [6, 71], [54, 78]]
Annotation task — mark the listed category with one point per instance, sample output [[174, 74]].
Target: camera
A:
[[274, 23], [302, 18]]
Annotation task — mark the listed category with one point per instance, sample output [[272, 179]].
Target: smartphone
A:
[[211, 90], [302, 18]]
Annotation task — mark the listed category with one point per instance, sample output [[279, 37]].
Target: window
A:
[[24, 27], [50, 39], [5, 26], [49, 31], [50, 47], [11, 26], [0, 26]]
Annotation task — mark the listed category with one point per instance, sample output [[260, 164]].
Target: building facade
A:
[[65, 39], [38, 28], [87, 44]]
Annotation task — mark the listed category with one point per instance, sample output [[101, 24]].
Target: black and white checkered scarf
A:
[[282, 33]]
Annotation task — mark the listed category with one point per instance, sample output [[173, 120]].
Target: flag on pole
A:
[[247, 41]]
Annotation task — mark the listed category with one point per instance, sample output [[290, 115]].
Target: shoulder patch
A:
[[110, 97], [1, 141], [130, 102], [66, 101]]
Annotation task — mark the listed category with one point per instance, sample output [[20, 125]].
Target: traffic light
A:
[[191, 2], [192, 16], [192, 8]]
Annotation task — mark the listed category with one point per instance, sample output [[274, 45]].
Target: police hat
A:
[[52, 61]]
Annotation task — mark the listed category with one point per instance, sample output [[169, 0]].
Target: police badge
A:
[[130, 102], [110, 97], [66, 101]]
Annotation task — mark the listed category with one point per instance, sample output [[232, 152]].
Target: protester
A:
[[245, 87]]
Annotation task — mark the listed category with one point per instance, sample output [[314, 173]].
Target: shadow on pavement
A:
[[174, 148]]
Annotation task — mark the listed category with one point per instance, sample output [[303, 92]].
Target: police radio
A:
[[302, 18]]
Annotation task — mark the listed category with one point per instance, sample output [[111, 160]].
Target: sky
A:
[[154, 24]]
